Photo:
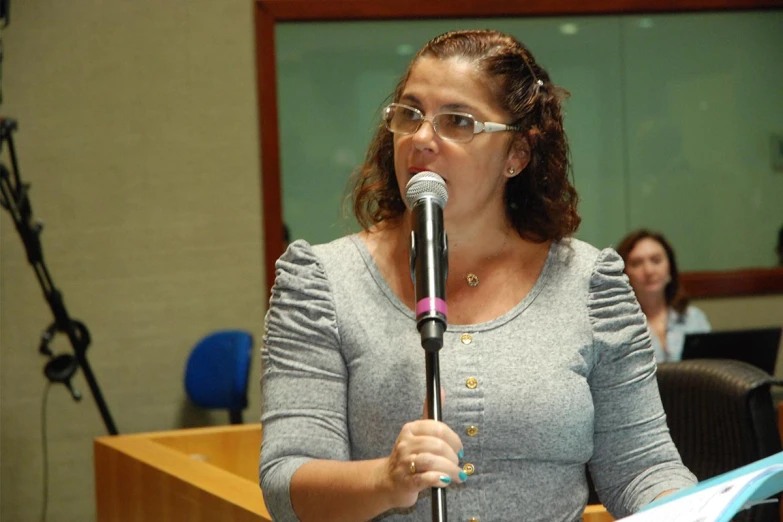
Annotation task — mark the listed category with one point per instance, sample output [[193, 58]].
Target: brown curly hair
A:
[[673, 292], [541, 201]]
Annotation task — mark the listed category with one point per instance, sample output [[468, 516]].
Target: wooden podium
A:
[[190, 475]]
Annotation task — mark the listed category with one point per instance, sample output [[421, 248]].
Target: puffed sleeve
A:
[[303, 378], [634, 459]]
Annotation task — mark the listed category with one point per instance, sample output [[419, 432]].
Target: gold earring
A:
[[511, 171]]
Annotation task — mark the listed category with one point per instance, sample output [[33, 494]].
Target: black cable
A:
[[45, 502]]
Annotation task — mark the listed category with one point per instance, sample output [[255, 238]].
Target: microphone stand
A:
[[432, 341], [431, 330], [62, 367]]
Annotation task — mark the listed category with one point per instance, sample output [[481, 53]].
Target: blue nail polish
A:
[[463, 476], [461, 453], [445, 479]]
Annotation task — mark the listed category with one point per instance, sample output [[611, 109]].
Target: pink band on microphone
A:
[[429, 304]]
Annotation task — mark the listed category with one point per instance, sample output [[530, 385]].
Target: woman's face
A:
[[475, 172], [648, 268]]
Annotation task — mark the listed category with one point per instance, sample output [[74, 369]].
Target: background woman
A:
[[652, 270]]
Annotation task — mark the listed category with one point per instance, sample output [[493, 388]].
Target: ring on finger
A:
[[412, 466]]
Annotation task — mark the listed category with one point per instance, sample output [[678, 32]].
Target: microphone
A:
[[426, 196]]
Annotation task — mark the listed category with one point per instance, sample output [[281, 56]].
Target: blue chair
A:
[[217, 371]]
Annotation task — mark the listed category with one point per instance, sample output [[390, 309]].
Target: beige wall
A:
[[138, 132]]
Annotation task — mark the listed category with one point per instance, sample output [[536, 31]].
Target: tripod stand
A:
[[60, 368]]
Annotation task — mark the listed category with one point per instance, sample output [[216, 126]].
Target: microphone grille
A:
[[426, 185]]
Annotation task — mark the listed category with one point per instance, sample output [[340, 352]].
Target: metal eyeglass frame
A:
[[478, 126]]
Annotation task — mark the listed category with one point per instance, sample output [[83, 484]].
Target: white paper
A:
[[706, 505]]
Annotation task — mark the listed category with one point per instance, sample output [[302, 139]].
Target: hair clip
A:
[[539, 83]]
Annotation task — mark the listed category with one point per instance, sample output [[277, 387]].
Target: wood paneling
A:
[[311, 10], [596, 513], [734, 283]]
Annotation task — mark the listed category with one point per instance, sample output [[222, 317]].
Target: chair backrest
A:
[[217, 371], [720, 415]]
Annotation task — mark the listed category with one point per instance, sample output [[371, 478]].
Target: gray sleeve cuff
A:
[[276, 488]]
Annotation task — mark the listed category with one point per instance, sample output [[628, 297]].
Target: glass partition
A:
[[672, 121]]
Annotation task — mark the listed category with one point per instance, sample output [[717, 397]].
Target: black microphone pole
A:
[[426, 195], [15, 198], [432, 341]]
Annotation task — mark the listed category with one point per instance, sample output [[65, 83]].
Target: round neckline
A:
[[520, 307]]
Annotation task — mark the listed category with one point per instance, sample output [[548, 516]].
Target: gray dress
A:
[[563, 380]]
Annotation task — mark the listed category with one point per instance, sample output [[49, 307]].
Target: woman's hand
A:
[[425, 455]]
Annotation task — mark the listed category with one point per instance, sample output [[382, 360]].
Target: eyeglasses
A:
[[452, 126]]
